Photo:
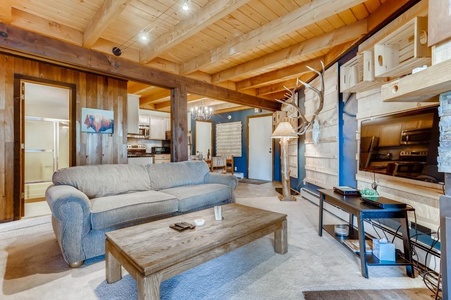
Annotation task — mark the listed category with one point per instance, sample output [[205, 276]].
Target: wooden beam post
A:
[[179, 124]]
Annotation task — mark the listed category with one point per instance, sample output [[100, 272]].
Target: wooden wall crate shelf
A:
[[421, 86], [357, 75], [403, 50]]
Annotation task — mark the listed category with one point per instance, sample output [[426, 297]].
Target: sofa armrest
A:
[[226, 179], [71, 211]]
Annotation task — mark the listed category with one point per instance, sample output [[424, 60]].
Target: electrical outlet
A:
[[236, 169]]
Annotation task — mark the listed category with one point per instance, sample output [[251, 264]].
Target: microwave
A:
[[143, 130], [416, 136]]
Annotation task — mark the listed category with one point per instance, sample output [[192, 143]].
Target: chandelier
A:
[[201, 113]]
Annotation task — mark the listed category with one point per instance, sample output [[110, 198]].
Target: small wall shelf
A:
[[357, 75], [403, 50], [421, 86]]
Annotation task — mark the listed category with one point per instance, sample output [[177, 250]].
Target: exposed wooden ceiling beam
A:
[[322, 42], [336, 52], [109, 10], [6, 11], [165, 104], [384, 11], [277, 95], [209, 14], [299, 18], [22, 42], [280, 87], [161, 95], [227, 108], [46, 27], [279, 75], [138, 88]]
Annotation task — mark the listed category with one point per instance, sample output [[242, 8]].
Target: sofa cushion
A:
[[104, 180], [163, 176], [116, 210], [198, 196]]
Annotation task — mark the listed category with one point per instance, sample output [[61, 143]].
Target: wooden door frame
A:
[[247, 141], [19, 136]]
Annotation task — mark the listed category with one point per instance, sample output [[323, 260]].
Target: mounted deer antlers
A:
[[291, 101]]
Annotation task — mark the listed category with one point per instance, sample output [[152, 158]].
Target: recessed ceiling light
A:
[[185, 5], [144, 36]]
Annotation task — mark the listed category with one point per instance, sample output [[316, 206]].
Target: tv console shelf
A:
[[371, 260], [354, 206]]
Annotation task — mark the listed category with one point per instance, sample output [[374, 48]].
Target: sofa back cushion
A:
[[163, 176], [104, 180]]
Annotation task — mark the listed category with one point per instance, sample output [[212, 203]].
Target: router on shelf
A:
[[346, 190]]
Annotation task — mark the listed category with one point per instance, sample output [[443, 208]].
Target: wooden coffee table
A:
[[153, 252]]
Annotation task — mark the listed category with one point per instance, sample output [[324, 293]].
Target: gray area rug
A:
[[414, 294], [32, 266]]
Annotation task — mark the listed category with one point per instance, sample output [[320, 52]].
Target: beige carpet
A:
[[32, 267]]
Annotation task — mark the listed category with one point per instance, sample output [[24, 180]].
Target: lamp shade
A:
[[284, 129]]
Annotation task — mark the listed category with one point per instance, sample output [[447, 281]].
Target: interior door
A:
[[203, 136], [260, 157]]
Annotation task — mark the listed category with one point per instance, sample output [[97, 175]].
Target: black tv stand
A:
[[355, 207]]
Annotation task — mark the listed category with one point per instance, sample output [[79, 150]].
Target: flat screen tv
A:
[[402, 145]]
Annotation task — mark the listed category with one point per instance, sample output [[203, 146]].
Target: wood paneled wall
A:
[[321, 159], [92, 91]]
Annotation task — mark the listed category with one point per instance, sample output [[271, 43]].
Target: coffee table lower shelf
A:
[[370, 259]]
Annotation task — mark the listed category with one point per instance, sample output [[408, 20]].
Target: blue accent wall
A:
[[241, 162], [347, 141], [347, 164]]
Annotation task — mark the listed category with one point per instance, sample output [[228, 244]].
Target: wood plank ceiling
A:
[[256, 47]]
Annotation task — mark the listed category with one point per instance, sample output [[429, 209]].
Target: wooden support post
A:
[[179, 124]]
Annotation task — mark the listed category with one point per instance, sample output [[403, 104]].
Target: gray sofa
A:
[[87, 201]]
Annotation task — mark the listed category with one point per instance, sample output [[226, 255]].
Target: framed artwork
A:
[[439, 21], [97, 120]]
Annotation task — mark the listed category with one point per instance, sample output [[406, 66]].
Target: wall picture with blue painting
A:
[[97, 120]]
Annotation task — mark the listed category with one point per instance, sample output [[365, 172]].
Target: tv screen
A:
[[402, 145]]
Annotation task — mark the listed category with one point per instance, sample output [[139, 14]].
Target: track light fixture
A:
[[116, 51], [144, 34]]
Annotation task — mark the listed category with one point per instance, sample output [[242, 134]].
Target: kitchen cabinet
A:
[[168, 124], [132, 113], [158, 127], [144, 120], [162, 158], [142, 160]]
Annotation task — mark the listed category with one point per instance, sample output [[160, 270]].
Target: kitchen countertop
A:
[[141, 155]]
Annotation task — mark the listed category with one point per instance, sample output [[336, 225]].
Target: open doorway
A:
[[45, 136]]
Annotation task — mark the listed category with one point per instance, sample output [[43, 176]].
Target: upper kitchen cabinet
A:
[[133, 113], [158, 127], [144, 120], [157, 122]]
